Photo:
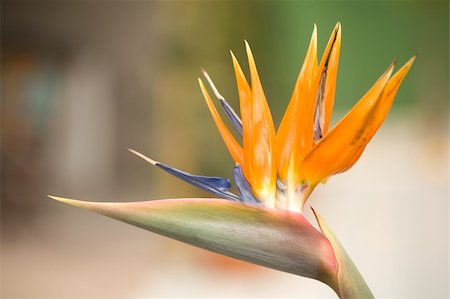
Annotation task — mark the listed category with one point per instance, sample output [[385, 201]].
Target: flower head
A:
[[275, 172], [283, 168]]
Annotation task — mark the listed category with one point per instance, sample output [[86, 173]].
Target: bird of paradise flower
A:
[[275, 172]]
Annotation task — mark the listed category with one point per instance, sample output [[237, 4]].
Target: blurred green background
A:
[[82, 81]]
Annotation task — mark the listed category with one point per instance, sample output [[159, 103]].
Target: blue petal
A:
[[244, 188], [214, 185], [232, 116], [229, 111], [217, 183]]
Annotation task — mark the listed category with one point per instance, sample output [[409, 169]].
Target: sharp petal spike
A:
[[213, 87], [390, 92], [215, 185], [229, 111], [142, 156], [344, 144], [233, 147]]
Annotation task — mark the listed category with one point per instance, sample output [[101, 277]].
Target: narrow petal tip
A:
[[144, 157], [388, 72], [235, 61], [250, 57], [247, 46], [338, 26], [213, 87], [211, 84], [314, 35], [337, 30], [411, 60], [392, 65], [232, 145], [401, 73]]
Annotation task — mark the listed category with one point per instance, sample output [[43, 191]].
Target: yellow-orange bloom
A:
[[283, 169]]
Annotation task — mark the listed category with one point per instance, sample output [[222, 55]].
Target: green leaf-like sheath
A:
[[272, 238], [350, 282]]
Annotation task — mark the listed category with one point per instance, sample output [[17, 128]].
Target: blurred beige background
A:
[[82, 81]]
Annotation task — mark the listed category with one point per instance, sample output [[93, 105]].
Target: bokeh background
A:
[[82, 81]]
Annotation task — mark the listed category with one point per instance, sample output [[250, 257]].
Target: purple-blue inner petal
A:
[[244, 188], [215, 185], [232, 116]]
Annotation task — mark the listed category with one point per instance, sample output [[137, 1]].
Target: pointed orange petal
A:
[[383, 107], [293, 138], [390, 92], [337, 149], [260, 149], [233, 147], [245, 102], [327, 75], [245, 93]]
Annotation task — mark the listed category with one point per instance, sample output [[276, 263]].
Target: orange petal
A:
[[384, 106], [245, 93], [294, 137], [245, 102], [326, 77], [336, 151], [233, 147], [390, 92], [259, 148]]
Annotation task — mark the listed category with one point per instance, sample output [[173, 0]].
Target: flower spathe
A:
[[274, 174]]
